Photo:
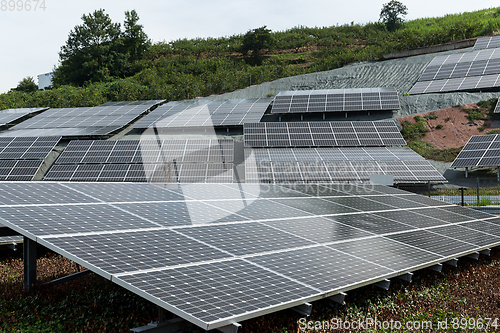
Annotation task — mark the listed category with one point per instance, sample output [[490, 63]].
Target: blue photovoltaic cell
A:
[[215, 254]]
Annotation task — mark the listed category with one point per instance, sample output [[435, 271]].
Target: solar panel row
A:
[[167, 161], [308, 165], [147, 151], [205, 113], [480, 150], [296, 243], [169, 172], [332, 100], [487, 43], [10, 115], [361, 133], [460, 70], [456, 84]]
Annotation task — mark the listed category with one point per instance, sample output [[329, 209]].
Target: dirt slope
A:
[[456, 128]]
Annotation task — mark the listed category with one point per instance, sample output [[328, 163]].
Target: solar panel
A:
[[312, 165], [487, 43], [201, 113], [123, 103], [21, 158], [311, 134], [497, 107], [182, 160], [480, 151], [175, 248], [335, 100], [63, 132], [99, 120], [11, 115], [460, 72]]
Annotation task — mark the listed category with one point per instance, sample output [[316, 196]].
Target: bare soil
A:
[[456, 130]]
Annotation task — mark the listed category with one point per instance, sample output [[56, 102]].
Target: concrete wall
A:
[[438, 48]]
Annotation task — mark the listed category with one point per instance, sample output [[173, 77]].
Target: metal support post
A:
[[474, 255], [406, 277], [466, 172], [462, 194], [339, 298], [477, 191], [498, 173], [384, 284], [429, 187], [29, 259], [452, 262], [485, 252], [304, 309], [437, 268]]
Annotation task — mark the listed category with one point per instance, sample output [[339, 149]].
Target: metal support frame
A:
[[170, 326], [466, 172], [339, 298], [485, 252], [437, 268], [384, 284], [474, 255], [304, 309], [5, 231], [69, 277], [406, 277], [452, 262], [29, 259], [233, 328], [498, 173]]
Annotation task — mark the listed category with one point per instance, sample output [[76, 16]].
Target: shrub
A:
[[489, 104], [447, 119], [439, 126]]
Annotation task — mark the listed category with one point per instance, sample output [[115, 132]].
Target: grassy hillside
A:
[[197, 67]]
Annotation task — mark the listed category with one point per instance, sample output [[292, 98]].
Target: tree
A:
[[256, 40], [97, 50], [136, 40], [26, 85], [392, 14]]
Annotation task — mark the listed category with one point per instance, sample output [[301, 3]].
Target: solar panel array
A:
[[21, 158], [10, 115], [310, 134], [284, 245], [312, 165], [480, 150], [460, 71], [183, 160], [335, 100], [205, 113], [487, 43], [123, 103], [98, 116]]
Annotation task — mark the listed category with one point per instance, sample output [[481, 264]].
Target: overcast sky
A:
[[30, 40]]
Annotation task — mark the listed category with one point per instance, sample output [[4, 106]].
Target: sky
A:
[[31, 39]]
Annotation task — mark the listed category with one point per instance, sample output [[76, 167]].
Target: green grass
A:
[[428, 151]]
